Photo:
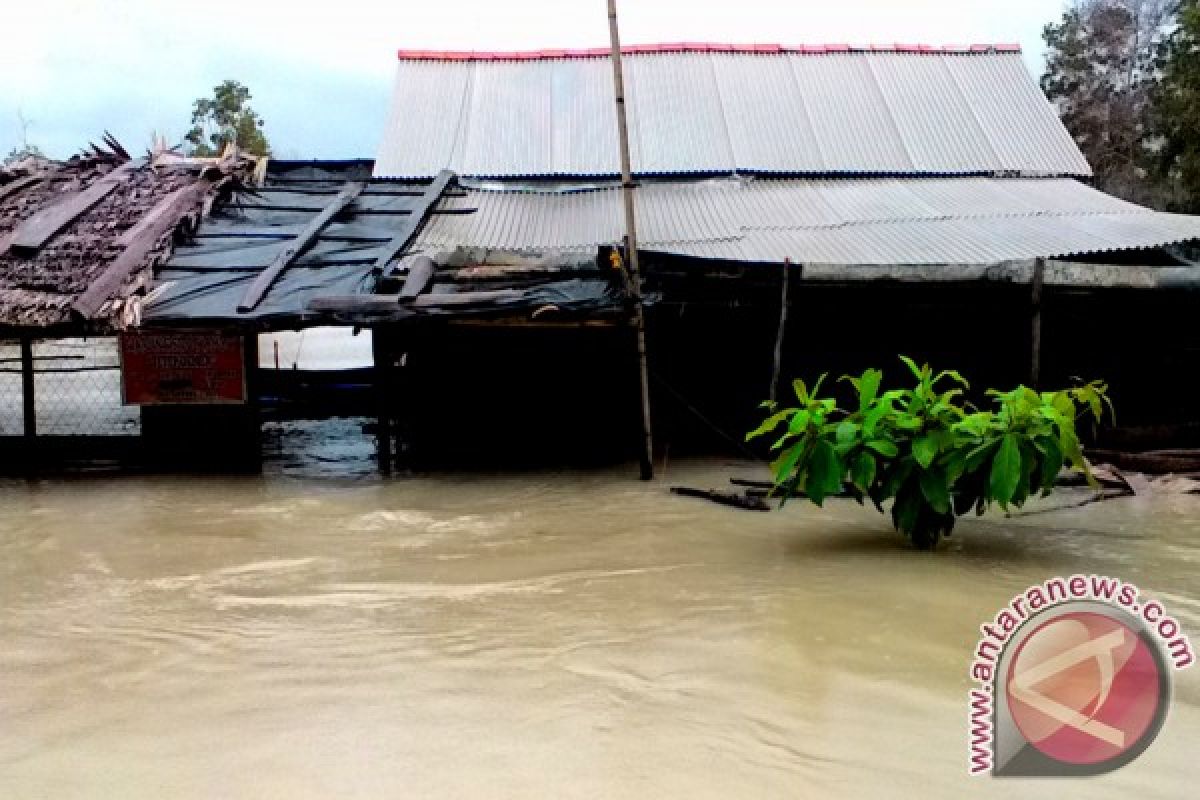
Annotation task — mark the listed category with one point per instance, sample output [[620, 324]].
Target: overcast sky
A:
[[320, 71]]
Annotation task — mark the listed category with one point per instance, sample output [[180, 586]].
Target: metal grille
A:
[[77, 389]]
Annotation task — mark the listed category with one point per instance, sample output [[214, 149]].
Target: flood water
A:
[[562, 635]]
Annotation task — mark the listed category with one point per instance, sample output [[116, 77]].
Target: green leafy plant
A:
[[925, 448]]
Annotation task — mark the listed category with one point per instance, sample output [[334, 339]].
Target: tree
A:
[[226, 117], [1178, 108], [1102, 69]]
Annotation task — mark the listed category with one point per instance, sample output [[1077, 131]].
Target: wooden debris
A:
[[138, 242], [752, 483], [36, 231], [732, 499], [1155, 462], [12, 187], [415, 221], [305, 239], [88, 257], [420, 273], [467, 298]]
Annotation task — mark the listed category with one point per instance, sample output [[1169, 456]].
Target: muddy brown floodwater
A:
[[539, 635]]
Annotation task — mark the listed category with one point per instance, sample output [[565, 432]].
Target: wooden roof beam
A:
[[34, 232], [412, 226], [13, 187], [305, 239], [138, 242]]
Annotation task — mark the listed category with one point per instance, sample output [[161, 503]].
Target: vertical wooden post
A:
[[28, 398], [382, 359], [631, 243], [783, 311], [253, 411], [1035, 355]]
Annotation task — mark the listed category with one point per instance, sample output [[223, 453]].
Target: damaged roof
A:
[[311, 229], [79, 239], [717, 109]]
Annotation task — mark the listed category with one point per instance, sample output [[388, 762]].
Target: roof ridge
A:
[[704, 47]]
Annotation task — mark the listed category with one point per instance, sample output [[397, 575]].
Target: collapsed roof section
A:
[[79, 239], [312, 229], [719, 109]]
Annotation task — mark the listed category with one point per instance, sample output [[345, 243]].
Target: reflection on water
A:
[[543, 635]]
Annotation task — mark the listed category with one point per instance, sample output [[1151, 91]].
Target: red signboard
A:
[[189, 368]]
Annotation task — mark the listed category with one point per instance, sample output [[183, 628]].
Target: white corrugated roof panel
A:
[[848, 221], [696, 110]]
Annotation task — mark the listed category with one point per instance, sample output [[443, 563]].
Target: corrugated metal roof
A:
[[695, 109], [861, 221]]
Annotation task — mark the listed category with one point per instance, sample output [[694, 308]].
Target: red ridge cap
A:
[[696, 47]]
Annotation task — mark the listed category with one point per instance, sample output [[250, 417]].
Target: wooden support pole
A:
[[29, 400], [1035, 355], [631, 243], [382, 372], [253, 409], [783, 311]]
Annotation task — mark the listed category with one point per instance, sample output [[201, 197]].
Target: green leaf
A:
[[862, 471], [786, 463], [952, 375], [770, 423], [912, 367], [935, 490], [1051, 463], [868, 387], [884, 447], [906, 509], [847, 432], [801, 391], [1006, 470], [799, 421], [895, 478], [825, 472], [925, 450], [817, 386]]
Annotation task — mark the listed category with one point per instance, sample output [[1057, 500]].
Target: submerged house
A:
[[918, 199], [79, 244], [832, 205]]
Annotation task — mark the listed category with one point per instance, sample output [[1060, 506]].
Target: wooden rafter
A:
[[138, 241], [415, 221], [13, 187], [34, 232], [304, 240]]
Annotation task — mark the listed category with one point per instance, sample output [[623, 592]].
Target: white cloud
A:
[[320, 71]]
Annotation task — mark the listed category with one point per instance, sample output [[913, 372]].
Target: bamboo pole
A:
[[631, 243], [783, 311], [1035, 355]]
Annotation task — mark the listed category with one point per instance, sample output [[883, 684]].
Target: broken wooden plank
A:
[[467, 298], [354, 303], [420, 273], [420, 213], [305, 239], [13, 187], [34, 232], [724, 498], [138, 241]]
